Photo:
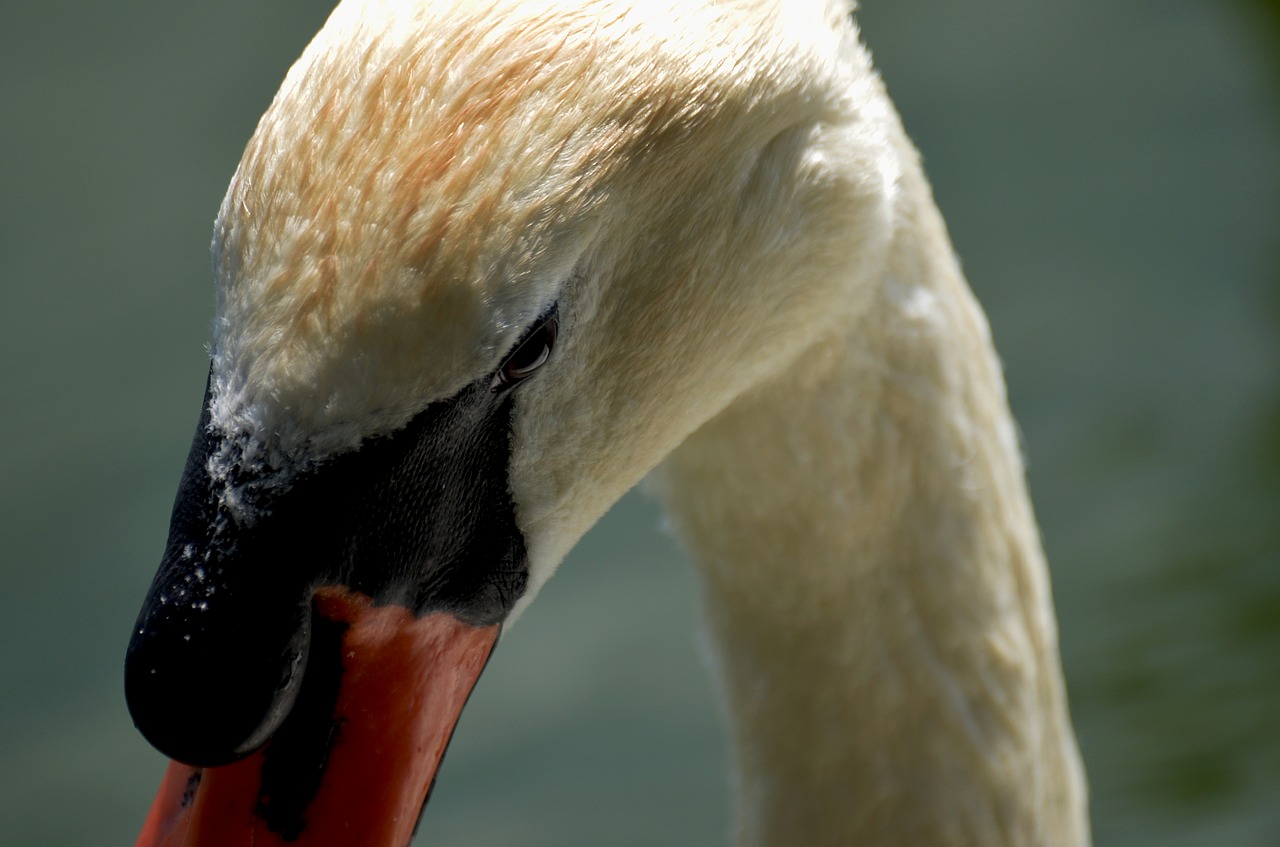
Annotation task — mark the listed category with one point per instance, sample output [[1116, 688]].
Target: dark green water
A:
[[1109, 169]]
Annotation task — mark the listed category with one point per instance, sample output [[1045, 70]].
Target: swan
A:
[[483, 267]]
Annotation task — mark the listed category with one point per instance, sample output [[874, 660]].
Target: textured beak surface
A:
[[354, 761], [303, 658]]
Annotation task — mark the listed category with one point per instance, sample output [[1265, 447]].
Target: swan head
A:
[[481, 268]]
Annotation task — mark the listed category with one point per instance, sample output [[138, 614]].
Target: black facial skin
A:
[[421, 518]]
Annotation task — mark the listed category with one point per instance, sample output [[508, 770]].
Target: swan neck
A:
[[874, 585]]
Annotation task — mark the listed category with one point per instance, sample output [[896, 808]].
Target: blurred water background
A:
[[1109, 170]]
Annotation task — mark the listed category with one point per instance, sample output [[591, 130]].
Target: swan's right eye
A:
[[529, 355]]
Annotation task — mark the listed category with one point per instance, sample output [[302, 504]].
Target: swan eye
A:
[[530, 354]]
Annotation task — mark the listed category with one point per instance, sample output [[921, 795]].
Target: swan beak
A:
[[303, 658], [356, 758]]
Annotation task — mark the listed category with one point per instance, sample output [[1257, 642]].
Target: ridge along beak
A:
[[357, 756], [306, 646]]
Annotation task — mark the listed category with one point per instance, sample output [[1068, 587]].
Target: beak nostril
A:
[[295, 761]]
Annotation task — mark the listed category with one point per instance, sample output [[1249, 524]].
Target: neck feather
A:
[[874, 582]]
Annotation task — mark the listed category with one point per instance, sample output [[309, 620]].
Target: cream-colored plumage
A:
[[754, 286]]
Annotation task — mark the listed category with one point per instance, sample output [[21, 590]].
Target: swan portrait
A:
[[482, 269]]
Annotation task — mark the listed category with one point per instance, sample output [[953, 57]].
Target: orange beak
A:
[[354, 762]]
